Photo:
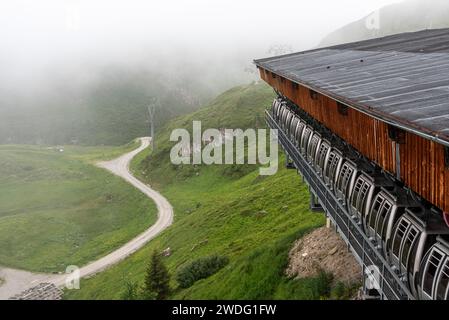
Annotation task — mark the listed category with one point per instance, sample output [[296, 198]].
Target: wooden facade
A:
[[421, 161]]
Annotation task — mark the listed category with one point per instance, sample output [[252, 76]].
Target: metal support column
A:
[[314, 203]]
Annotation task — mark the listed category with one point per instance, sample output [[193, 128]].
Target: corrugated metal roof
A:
[[402, 79]]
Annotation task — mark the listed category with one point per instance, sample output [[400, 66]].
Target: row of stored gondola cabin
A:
[[407, 231]]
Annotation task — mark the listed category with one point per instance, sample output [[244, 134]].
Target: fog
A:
[[41, 36], [57, 52]]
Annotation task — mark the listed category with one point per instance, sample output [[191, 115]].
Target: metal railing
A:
[[374, 265]]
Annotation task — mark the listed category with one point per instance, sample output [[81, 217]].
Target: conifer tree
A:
[[157, 279]]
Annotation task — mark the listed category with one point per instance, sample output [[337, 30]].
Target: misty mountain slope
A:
[[106, 104], [407, 16], [109, 110], [229, 211], [118, 108]]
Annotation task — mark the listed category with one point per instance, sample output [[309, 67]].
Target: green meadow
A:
[[58, 209]]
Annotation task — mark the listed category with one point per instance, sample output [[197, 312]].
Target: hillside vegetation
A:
[[58, 209], [109, 110], [104, 102], [241, 107], [238, 222], [406, 16]]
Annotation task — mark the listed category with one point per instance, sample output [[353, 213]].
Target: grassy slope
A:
[[58, 209], [225, 210], [241, 107]]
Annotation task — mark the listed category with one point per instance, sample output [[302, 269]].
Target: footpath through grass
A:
[[58, 209]]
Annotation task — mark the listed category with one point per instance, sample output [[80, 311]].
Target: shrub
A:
[[324, 284], [342, 291], [312, 288], [130, 292], [200, 269]]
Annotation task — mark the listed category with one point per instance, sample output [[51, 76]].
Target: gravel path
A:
[[16, 281]]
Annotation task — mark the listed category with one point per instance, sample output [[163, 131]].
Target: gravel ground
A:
[[323, 249]]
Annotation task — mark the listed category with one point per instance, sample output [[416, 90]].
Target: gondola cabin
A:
[[322, 156], [313, 145], [434, 277], [387, 207], [347, 176], [365, 188], [414, 234], [332, 167], [305, 138]]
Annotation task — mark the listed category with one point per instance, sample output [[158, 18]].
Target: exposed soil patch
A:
[[323, 250]]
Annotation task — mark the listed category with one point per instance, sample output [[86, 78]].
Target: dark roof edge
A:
[[430, 135]]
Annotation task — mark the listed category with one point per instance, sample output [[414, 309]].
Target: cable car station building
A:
[[367, 126]]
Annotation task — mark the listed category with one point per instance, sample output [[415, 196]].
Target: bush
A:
[[200, 269], [130, 292], [324, 284], [342, 291], [312, 288]]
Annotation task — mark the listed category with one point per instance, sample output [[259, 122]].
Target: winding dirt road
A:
[[17, 281]]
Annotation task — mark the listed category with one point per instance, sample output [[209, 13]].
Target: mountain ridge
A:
[[406, 16]]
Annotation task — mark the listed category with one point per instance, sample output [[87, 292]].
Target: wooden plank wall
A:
[[422, 166], [423, 169]]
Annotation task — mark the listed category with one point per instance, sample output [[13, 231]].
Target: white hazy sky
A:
[[36, 33], [44, 25]]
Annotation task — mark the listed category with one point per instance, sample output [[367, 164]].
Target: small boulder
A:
[[166, 252]]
